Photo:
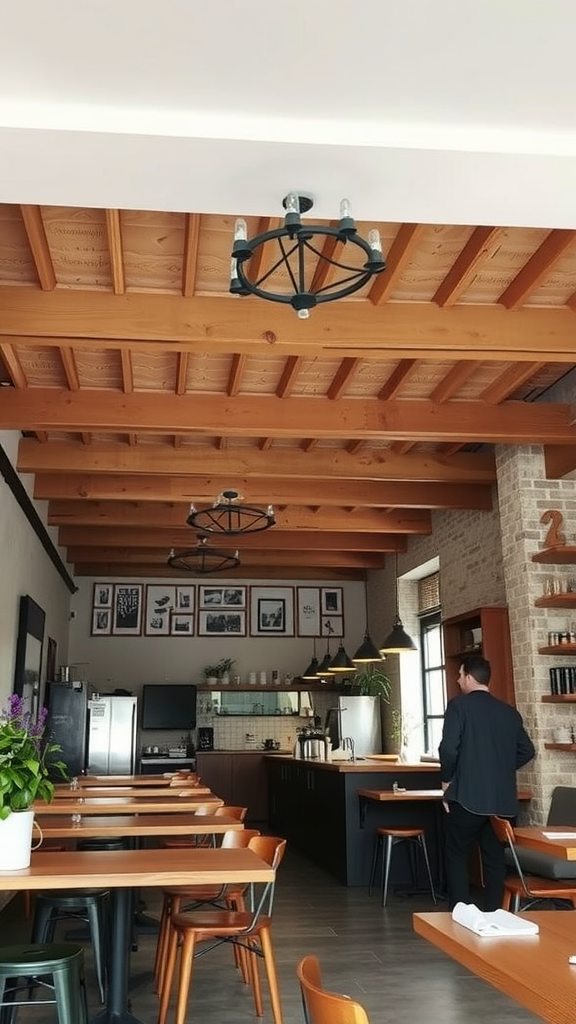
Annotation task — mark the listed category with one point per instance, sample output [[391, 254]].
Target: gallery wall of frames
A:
[[137, 609]]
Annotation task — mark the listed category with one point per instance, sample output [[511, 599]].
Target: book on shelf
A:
[[493, 924]]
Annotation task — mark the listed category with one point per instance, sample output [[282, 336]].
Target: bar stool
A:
[[63, 961], [415, 838], [89, 905]]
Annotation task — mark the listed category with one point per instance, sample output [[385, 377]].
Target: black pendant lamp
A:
[[341, 662], [398, 640], [312, 670], [367, 652]]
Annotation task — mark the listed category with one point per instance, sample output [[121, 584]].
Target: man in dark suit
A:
[[483, 744]]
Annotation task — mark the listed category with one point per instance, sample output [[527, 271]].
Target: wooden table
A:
[[61, 826], [533, 969], [142, 793], [125, 805], [123, 870], [160, 779], [534, 839]]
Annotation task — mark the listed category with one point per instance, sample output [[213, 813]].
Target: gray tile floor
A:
[[368, 952]]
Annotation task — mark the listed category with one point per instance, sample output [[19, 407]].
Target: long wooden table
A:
[[123, 870], [61, 826], [531, 969], [159, 779], [141, 792], [537, 838], [126, 805]]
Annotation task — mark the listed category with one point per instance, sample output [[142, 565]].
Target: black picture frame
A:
[[29, 648]]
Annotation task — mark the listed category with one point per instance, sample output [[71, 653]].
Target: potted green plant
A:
[[370, 680], [24, 778], [216, 673]]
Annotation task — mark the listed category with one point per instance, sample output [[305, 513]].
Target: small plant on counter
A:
[[371, 681], [218, 671]]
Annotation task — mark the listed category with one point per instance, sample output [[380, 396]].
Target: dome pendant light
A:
[[398, 640], [367, 653]]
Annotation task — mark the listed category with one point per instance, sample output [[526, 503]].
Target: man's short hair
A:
[[477, 667]]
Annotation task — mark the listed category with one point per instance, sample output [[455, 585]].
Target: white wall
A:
[[26, 569]]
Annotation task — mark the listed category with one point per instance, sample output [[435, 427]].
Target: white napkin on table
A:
[[495, 924]]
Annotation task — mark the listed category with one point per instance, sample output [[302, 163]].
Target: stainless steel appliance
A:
[[112, 735], [356, 719]]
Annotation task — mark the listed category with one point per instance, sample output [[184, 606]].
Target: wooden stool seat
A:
[[391, 837]]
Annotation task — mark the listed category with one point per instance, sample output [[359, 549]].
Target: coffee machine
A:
[[205, 737]]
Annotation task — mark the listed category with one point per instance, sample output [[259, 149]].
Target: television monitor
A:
[[168, 706]]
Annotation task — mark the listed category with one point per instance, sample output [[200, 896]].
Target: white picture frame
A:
[[308, 611]]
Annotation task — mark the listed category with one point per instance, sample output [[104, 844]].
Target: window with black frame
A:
[[433, 670]]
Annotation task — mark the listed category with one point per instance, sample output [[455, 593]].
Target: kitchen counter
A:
[[361, 765]]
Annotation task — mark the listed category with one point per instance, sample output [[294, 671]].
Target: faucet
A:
[[348, 744]]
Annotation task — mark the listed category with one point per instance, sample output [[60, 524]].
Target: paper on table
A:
[[496, 924], [559, 835]]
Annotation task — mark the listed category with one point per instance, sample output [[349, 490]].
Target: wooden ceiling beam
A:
[[559, 461], [509, 382], [14, 366], [337, 329], [397, 378], [68, 357], [245, 463], [331, 250], [537, 268], [130, 513], [342, 378], [201, 490], [289, 376], [34, 227], [280, 541], [182, 373], [127, 372], [236, 375], [116, 250], [481, 246], [453, 381], [113, 571], [133, 556], [403, 420], [190, 257], [397, 259]]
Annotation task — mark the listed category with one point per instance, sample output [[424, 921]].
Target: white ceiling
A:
[[444, 112]]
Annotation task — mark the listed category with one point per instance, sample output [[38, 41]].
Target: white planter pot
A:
[[16, 840]]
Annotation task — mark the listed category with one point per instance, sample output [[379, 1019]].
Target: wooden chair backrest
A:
[[322, 1007], [208, 808], [235, 839], [269, 848], [503, 829], [231, 812]]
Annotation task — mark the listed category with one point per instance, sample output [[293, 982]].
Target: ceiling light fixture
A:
[[304, 259], [367, 652], [229, 516], [312, 670], [341, 661], [324, 668], [398, 639], [203, 560]]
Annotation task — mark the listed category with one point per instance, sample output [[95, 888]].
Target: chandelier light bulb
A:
[[374, 240], [303, 314], [292, 203], [345, 209], [240, 230]]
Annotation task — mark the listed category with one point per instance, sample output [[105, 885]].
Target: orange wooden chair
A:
[[321, 1006], [249, 930], [223, 811], [523, 891]]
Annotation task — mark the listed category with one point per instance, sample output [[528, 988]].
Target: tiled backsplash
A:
[[231, 732]]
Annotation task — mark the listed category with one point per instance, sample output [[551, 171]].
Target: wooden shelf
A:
[[560, 650], [556, 556], [556, 601], [558, 698], [271, 688], [560, 746]]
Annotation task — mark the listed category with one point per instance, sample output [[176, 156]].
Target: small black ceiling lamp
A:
[[324, 668], [203, 560], [367, 652], [341, 662], [228, 515], [305, 256], [312, 670], [398, 640]]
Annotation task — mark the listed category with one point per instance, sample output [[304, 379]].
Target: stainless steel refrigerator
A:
[[359, 719], [112, 735]]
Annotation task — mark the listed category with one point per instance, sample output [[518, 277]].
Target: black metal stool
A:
[[63, 961], [90, 905], [415, 837]]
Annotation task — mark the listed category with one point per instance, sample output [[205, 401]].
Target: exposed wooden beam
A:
[[537, 268], [453, 381], [509, 382], [481, 246], [331, 250], [559, 460], [342, 378], [397, 258], [14, 366], [403, 420], [397, 378], [289, 375], [190, 260], [333, 559], [236, 375], [182, 373], [245, 463], [117, 571], [34, 226], [358, 329], [280, 541], [116, 250], [127, 373]]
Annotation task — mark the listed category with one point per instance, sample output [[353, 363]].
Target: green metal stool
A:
[[32, 962], [89, 905]]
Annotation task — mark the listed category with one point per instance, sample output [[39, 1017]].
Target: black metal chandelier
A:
[[229, 516], [203, 560], [306, 256]]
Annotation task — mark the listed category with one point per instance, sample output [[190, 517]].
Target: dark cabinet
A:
[[483, 631], [238, 779]]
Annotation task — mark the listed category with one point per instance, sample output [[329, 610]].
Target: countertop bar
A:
[[361, 765]]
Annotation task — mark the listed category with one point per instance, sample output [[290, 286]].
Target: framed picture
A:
[[332, 601], [160, 602], [308, 611], [185, 597], [332, 625], [222, 597], [217, 622], [101, 622], [29, 654], [271, 611], [127, 609], [102, 595], [181, 625]]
